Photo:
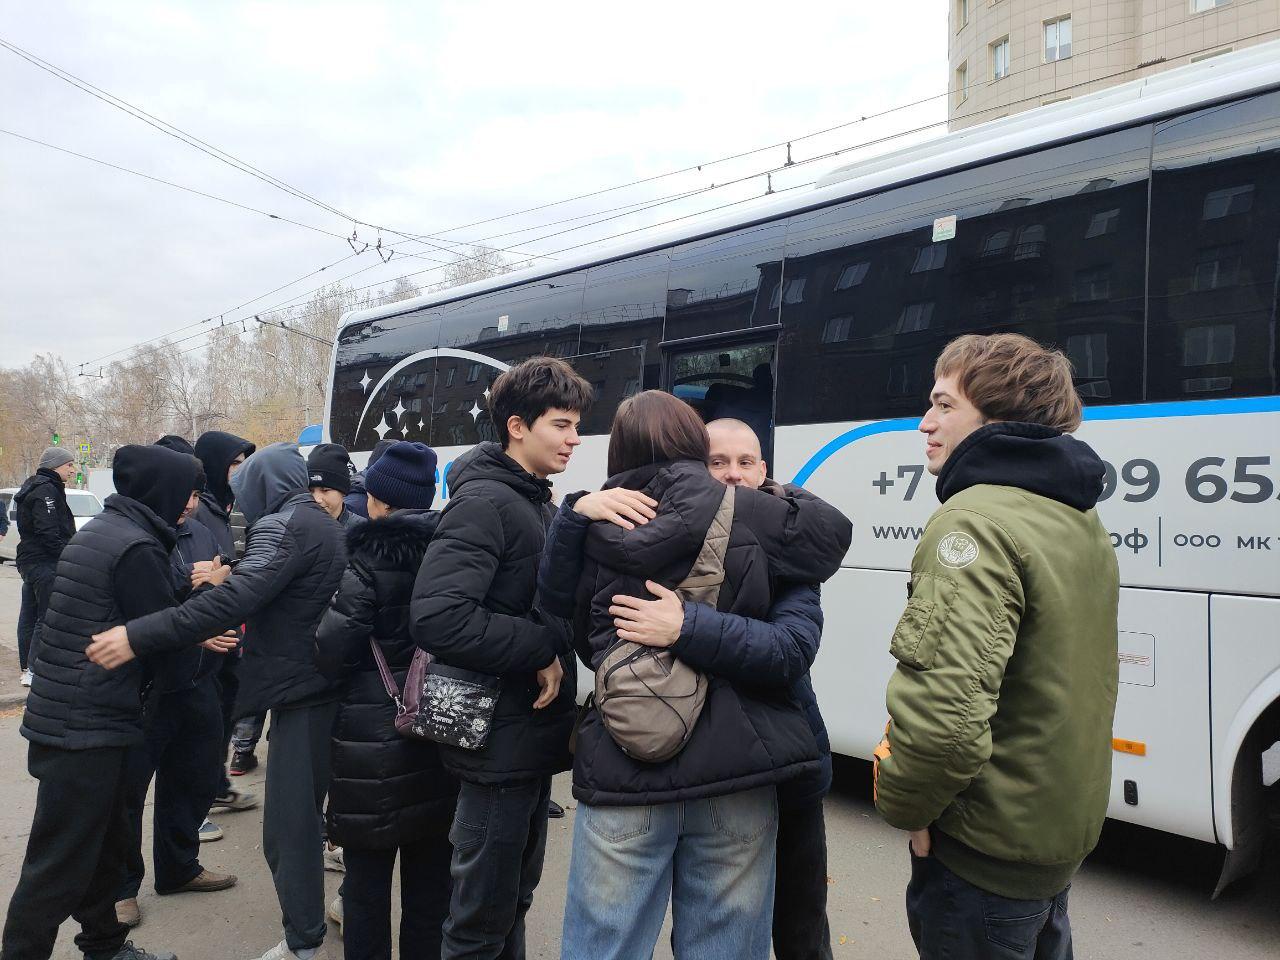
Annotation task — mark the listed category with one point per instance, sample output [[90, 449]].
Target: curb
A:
[[12, 700]]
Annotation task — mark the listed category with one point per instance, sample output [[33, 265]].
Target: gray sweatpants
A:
[[297, 781]]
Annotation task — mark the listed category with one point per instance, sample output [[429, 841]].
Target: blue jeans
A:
[[713, 859]]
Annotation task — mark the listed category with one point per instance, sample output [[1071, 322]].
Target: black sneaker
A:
[[242, 763], [554, 811], [130, 952]]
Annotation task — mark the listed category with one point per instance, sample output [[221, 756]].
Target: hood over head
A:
[[267, 479], [158, 478], [1029, 456], [216, 450], [488, 461], [172, 441]]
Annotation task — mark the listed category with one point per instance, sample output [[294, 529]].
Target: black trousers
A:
[[182, 751], [75, 854], [37, 587], [951, 919], [228, 681], [424, 899], [499, 837], [800, 928]]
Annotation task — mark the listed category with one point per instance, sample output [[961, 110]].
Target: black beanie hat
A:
[[156, 477], [404, 477], [328, 465], [379, 448]]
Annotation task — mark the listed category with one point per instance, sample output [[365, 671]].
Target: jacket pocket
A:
[[915, 640]]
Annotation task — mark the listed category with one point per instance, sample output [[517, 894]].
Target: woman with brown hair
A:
[[697, 828]]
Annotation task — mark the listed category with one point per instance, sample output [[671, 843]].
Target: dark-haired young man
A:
[[474, 607], [997, 758]]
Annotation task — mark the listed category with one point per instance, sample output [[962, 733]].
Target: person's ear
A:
[[516, 427]]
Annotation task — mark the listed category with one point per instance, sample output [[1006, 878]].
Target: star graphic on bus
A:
[[475, 412], [398, 409], [382, 429], [365, 381]]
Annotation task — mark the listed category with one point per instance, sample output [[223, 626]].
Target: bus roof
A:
[[1220, 78]]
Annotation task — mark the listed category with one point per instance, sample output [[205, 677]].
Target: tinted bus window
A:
[[371, 399], [727, 282], [1051, 245], [1215, 240]]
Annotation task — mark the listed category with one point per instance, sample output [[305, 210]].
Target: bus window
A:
[[614, 375], [1215, 243], [728, 381], [1051, 244], [726, 282]]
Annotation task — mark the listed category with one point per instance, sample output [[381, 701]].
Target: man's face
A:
[[735, 458], [235, 465], [544, 448], [950, 418], [330, 499], [193, 501], [66, 472]]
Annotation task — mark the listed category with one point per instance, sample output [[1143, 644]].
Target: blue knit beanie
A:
[[404, 477]]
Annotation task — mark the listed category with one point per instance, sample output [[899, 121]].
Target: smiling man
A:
[[998, 753], [473, 608]]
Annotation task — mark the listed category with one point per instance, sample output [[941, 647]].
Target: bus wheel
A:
[[1250, 824]]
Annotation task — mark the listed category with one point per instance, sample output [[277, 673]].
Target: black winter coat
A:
[[385, 790], [474, 607], [292, 564], [748, 735], [75, 704], [45, 522], [183, 669]]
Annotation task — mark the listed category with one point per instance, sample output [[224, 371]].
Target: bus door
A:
[[727, 375]]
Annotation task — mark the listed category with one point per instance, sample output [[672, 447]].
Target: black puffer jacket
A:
[[747, 735], [386, 790], [45, 522], [183, 669], [474, 607], [292, 564], [115, 568]]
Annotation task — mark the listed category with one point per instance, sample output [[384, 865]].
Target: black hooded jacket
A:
[[748, 735], [292, 564], [474, 607], [116, 568], [385, 790], [45, 522], [1029, 456], [215, 450]]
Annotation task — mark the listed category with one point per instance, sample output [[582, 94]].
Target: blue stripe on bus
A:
[[1128, 411]]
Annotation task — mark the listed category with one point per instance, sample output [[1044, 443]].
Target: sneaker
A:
[[281, 951], [130, 952], [203, 882], [233, 801], [210, 831], [554, 810], [242, 763], [333, 859], [128, 913], [334, 912], [27, 677]]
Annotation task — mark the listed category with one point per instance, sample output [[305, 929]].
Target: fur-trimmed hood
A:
[[399, 540]]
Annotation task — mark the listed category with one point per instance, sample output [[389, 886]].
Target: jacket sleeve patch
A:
[[957, 550], [915, 640]]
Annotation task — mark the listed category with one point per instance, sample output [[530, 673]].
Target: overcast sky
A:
[[422, 117]]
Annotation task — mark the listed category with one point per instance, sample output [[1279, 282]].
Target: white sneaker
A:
[[333, 859], [281, 951], [209, 831], [27, 677], [334, 912]]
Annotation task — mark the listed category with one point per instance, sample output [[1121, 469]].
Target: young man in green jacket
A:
[[997, 757]]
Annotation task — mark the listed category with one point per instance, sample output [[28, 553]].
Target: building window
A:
[[837, 329], [1203, 6], [1000, 59], [1228, 202], [1088, 355], [1093, 284], [962, 14], [448, 377], [473, 373], [788, 291], [1102, 223], [915, 317], [996, 243], [1057, 39], [932, 256], [1216, 267], [852, 275], [962, 83], [1206, 345]]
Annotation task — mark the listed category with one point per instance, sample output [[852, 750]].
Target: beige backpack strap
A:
[[702, 585]]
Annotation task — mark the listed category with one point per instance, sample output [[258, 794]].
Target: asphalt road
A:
[[1142, 893]]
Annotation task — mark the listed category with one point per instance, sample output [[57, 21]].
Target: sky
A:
[[423, 118]]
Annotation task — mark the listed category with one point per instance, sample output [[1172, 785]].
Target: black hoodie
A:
[[116, 568], [215, 450]]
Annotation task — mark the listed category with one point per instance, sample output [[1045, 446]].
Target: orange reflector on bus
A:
[[1135, 747]]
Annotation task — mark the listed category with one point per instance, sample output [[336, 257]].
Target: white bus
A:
[[1138, 229]]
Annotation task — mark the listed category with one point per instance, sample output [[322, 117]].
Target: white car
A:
[[83, 505]]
